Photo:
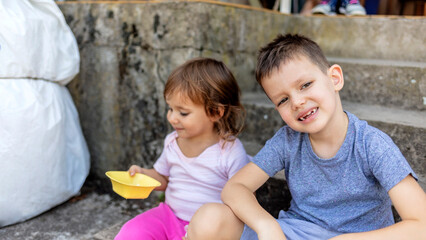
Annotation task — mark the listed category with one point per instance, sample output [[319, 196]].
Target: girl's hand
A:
[[152, 173], [135, 169]]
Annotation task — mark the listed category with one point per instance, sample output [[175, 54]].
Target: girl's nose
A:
[[171, 116]]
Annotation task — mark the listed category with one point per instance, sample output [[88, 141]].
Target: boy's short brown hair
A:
[[285, 48]]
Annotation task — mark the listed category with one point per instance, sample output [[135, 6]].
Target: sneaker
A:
[[323, 8], [352, 8]]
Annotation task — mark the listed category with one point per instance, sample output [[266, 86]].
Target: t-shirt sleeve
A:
[[387, 163], [162, 165], [270, 158], [237, 158]]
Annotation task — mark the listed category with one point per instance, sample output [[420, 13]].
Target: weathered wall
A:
[[128, 50]]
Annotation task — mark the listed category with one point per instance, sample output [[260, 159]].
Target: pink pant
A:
[[157, 224]]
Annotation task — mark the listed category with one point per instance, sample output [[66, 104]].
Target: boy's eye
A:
[[306, 85], [184, 114], [282, 101]]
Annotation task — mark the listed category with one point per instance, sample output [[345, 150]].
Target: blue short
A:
[[294, 229]]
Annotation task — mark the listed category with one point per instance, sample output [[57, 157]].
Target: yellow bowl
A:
[[138, 186]]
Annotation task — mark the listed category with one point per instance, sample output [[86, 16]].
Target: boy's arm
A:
[[238, 195], [409, 200]]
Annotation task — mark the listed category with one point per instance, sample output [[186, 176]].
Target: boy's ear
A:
[[335, 73]]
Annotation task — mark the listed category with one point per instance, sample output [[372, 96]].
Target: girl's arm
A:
[[238, 195], [152, 173], [409, 200]]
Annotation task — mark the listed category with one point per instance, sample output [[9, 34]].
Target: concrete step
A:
[[236, 28], [400, 84], [89, 216], [406, 127], [397, 84]]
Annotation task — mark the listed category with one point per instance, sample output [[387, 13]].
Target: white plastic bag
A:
[[44, 158]]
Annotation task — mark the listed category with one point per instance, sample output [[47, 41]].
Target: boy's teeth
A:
[[307, 115]]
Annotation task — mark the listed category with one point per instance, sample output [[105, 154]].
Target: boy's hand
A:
[[272, 233], [135, 169]]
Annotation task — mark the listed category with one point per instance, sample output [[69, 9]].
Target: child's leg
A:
[[332, 3], [156, 224], [294, 229], [214, 221], [327, 7]]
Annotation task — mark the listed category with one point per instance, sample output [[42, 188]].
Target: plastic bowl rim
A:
[[154, 185]]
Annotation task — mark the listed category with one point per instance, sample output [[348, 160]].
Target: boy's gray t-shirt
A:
[[346, 193]]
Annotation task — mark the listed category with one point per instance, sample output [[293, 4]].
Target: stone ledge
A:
[[394, 84], [362, 111], [382, 39]]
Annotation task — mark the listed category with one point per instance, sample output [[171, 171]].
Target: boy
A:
[[342, 173]]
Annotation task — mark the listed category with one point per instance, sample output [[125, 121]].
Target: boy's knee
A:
[[207, 219], [211, 221]]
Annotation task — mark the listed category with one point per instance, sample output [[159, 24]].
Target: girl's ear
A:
[[335, 73], [216, 117]]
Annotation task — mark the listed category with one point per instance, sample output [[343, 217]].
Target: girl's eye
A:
[[306, 85], [282, 101], [183, 114], [169, 109]]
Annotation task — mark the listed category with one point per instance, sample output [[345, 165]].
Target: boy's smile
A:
[[304, 96], [306, 117]]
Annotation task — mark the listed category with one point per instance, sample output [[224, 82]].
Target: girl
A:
[[200, 155]]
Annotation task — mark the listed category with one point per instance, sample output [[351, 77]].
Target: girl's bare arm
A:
[[152, 173]]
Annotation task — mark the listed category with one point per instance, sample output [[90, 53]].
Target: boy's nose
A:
[[297, 102]]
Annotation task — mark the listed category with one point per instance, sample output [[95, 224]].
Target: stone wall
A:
[[128, 50]]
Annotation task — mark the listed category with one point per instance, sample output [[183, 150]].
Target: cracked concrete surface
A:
[[90, 215]]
